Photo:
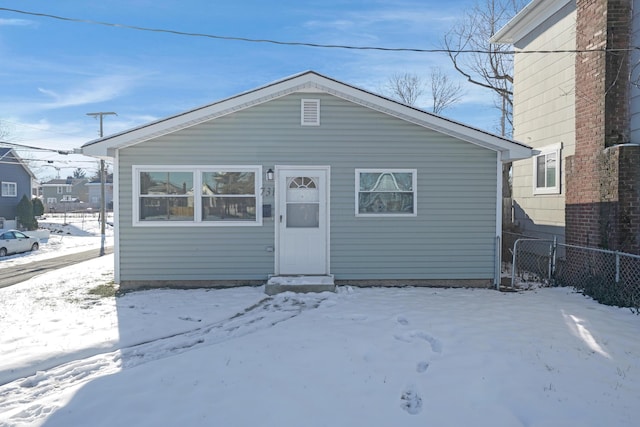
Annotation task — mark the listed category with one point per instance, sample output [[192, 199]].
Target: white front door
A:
[[302, 220]]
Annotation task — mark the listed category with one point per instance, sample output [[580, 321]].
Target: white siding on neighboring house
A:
[[544, 118]]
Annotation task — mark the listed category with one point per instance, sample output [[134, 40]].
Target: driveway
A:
[[20, 273]]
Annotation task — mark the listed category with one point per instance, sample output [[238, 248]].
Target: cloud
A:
[[16, 23], [91, 91]]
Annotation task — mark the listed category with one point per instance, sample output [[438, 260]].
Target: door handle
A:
[[280, 219]]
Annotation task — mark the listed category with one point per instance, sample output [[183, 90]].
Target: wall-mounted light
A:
[[269, 174]]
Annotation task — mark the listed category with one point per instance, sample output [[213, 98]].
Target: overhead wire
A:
[[309, 44]]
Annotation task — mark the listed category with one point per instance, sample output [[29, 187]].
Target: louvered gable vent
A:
[[310, 112]]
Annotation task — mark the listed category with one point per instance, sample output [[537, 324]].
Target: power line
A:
[[307, 44], [30, 147]]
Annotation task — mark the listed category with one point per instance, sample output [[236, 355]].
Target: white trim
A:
[[10, 185], [277, 170], [305, 83], [116, 218], [197, 171], [414, 179], [529, 18], [498, 240], [543, 151]]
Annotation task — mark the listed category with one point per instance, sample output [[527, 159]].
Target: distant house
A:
[[307, 179], [94, 192], [16, 180], [68, 194], [580, 109]]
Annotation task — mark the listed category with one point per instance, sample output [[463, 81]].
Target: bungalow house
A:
[[64, 194], [16, 180], [306, 180], [577, 102]]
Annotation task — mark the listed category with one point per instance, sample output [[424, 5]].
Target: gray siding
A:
[[13, 173], [452, 236]]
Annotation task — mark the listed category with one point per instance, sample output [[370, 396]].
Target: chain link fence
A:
[[609, 277]]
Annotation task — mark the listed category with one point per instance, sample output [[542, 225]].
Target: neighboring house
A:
[[581, 110], [16, 181], [307, 176], [64, 195], [94, 193]]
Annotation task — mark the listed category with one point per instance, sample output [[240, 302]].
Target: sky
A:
[[53, 72], [397, 356]]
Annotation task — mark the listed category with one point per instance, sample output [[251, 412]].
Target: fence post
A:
[[617, 267], [552, 258], [497, 273], [513, 263]]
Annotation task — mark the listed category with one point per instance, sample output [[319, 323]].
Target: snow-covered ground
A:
[[357, 357], [69, 234]]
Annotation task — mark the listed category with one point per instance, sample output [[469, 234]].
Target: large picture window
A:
[[197, 195], [546, 171], [9, 189], [382, 192]]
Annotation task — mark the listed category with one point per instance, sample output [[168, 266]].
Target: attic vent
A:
[[310, 112]]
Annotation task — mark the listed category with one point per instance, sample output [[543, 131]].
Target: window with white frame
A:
[[9, 189], [546, 170], [386, 192], [60, 189], [198, 195], [51, 200]]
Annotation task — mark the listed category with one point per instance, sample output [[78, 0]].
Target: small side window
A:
[[546, 171], [382, 192]]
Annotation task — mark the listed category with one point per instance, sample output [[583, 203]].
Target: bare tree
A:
[[483, 63], [4, 131], [444, 92], [408, 87], [405, 88]]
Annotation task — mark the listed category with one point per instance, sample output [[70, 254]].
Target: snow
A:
[[70, 234], [360, 356]]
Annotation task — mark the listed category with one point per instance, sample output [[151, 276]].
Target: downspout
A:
[[498, 239]]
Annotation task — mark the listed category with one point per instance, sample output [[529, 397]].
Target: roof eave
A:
[[525, 21], [308, 82]]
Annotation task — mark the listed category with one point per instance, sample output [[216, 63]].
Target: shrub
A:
[[38, 207], [25, 214]]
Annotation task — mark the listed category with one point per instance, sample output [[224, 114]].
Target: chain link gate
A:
[[609, 277]]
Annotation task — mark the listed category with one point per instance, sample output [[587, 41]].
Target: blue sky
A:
[[53, 72]]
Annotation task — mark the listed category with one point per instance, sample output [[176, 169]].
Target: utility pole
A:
[[103, 206]]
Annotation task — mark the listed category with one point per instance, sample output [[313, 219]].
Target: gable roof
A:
[[306, 82], [8, 155], [528, 19]]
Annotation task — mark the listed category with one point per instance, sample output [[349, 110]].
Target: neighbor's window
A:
[[386, 192], [229, 196], [197, 195], [9, 189], [546, 171]]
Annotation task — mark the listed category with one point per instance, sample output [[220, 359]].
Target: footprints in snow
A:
[[410, 399]]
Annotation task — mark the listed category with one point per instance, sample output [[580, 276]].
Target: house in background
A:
[[581, 110], [307, 180], [63, 195], [94, 192], [16, 181]]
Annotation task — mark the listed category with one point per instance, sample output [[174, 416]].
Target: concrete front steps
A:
[[277, 284]]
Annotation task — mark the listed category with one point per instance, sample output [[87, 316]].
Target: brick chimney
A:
[[603, 177]]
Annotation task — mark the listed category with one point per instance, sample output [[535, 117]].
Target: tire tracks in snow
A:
[[24, 392]]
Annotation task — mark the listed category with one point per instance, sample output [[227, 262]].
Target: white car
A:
[[14, 241]]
